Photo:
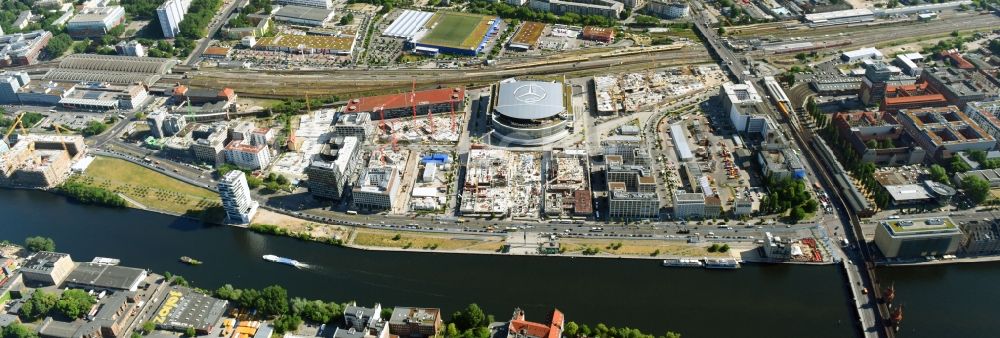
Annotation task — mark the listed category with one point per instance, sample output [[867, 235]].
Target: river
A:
[[756, 301]]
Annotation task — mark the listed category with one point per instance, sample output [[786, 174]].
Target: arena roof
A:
[[528, 100], [403, 100], [407, 24], [117, 63]]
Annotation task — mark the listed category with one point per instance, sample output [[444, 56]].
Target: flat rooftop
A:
[[918, 226], [105, 276], [308, 41], [404, 100]]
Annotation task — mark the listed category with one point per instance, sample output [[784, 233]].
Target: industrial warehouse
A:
[[443, 32], [416, 103]]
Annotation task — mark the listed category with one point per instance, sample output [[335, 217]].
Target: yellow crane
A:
[[17, 123], [59, 129]]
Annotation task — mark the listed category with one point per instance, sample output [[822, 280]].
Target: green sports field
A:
[[457, 30]]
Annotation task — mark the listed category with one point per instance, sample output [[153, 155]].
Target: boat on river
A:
[[190, 261], [721, 263], [683, 262], [283, 260]]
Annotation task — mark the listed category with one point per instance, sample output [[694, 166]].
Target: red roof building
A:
[[521, 328], [957, 60], [912, 96], [401, 105], [602, 34]]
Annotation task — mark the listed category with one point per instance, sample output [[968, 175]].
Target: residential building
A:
[[248, 155], [742, 206], [992, 176], [410, 322], [174, 124], [981, 238], [944, 131], [519, 327], [377, 188], [155, 121], [130, 48], [236, 200], [917, 238], [329, 171], [171, 13], [607, 8], [22, 49], [23, 19], [668, 9], [95, 22], [327, 4], [47, 268]]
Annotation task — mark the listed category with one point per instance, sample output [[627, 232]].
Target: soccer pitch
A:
[[457, 30]]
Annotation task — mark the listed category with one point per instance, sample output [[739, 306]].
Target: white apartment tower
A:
[[171, 13], [235, 195]]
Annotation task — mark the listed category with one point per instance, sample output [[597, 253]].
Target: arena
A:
[[530, 113]]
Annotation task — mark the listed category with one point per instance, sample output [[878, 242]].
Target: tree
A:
[[75, 303], [179, 280], [724, 248], [190, 332], [671, 334], [39, 243], [585, 330], [16, 330], [938, 174], [571, 329], [275, 301], [721, 31], [249, 298], [958, 165], [148, 327], [253, 182], [94, 128], [451, 331], [287, 324], [810, 206], [797, 214], [976, 188], [229, 293], [471, 317], [38, 305]]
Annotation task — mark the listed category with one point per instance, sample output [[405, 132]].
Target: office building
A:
[[155, 120], [877, 137], [410, 322], [917, 238], [22, 49], [742, 206], [327, 4], [981, 238], [436, 101], [632, 188], [130, 48], [944, 131], [863, 54], [781, 164], [357, 125], [530, 113], [960, 86], [873, 85], [95, 22], [377, 188], [688, 205], [171, 13], [47, 268], [209, 144], [986, 114], [248, 155], [10, 84], [174, 124], [777, 247], [359, 317], [741, 102], [329, 170], [235, 195]]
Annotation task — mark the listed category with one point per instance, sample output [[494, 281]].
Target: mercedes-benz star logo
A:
[[529, 93]]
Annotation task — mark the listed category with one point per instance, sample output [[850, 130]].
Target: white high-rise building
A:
[[171, 13], [235, 195]]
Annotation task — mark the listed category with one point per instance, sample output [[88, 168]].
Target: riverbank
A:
[[959, 260]]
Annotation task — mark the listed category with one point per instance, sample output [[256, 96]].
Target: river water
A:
[[756, 301]]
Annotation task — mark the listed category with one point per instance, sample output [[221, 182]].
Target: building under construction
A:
[[39, 161], [567, 193], [445, 100], [329, 170]]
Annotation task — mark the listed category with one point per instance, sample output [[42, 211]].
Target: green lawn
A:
[[453, 29], [148, 187]]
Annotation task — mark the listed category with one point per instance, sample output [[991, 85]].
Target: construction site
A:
[[431, 187], [632, 92], [567, 187], [38, 161]]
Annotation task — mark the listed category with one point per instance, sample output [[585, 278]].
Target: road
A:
[[217, 22], [866, 302]]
